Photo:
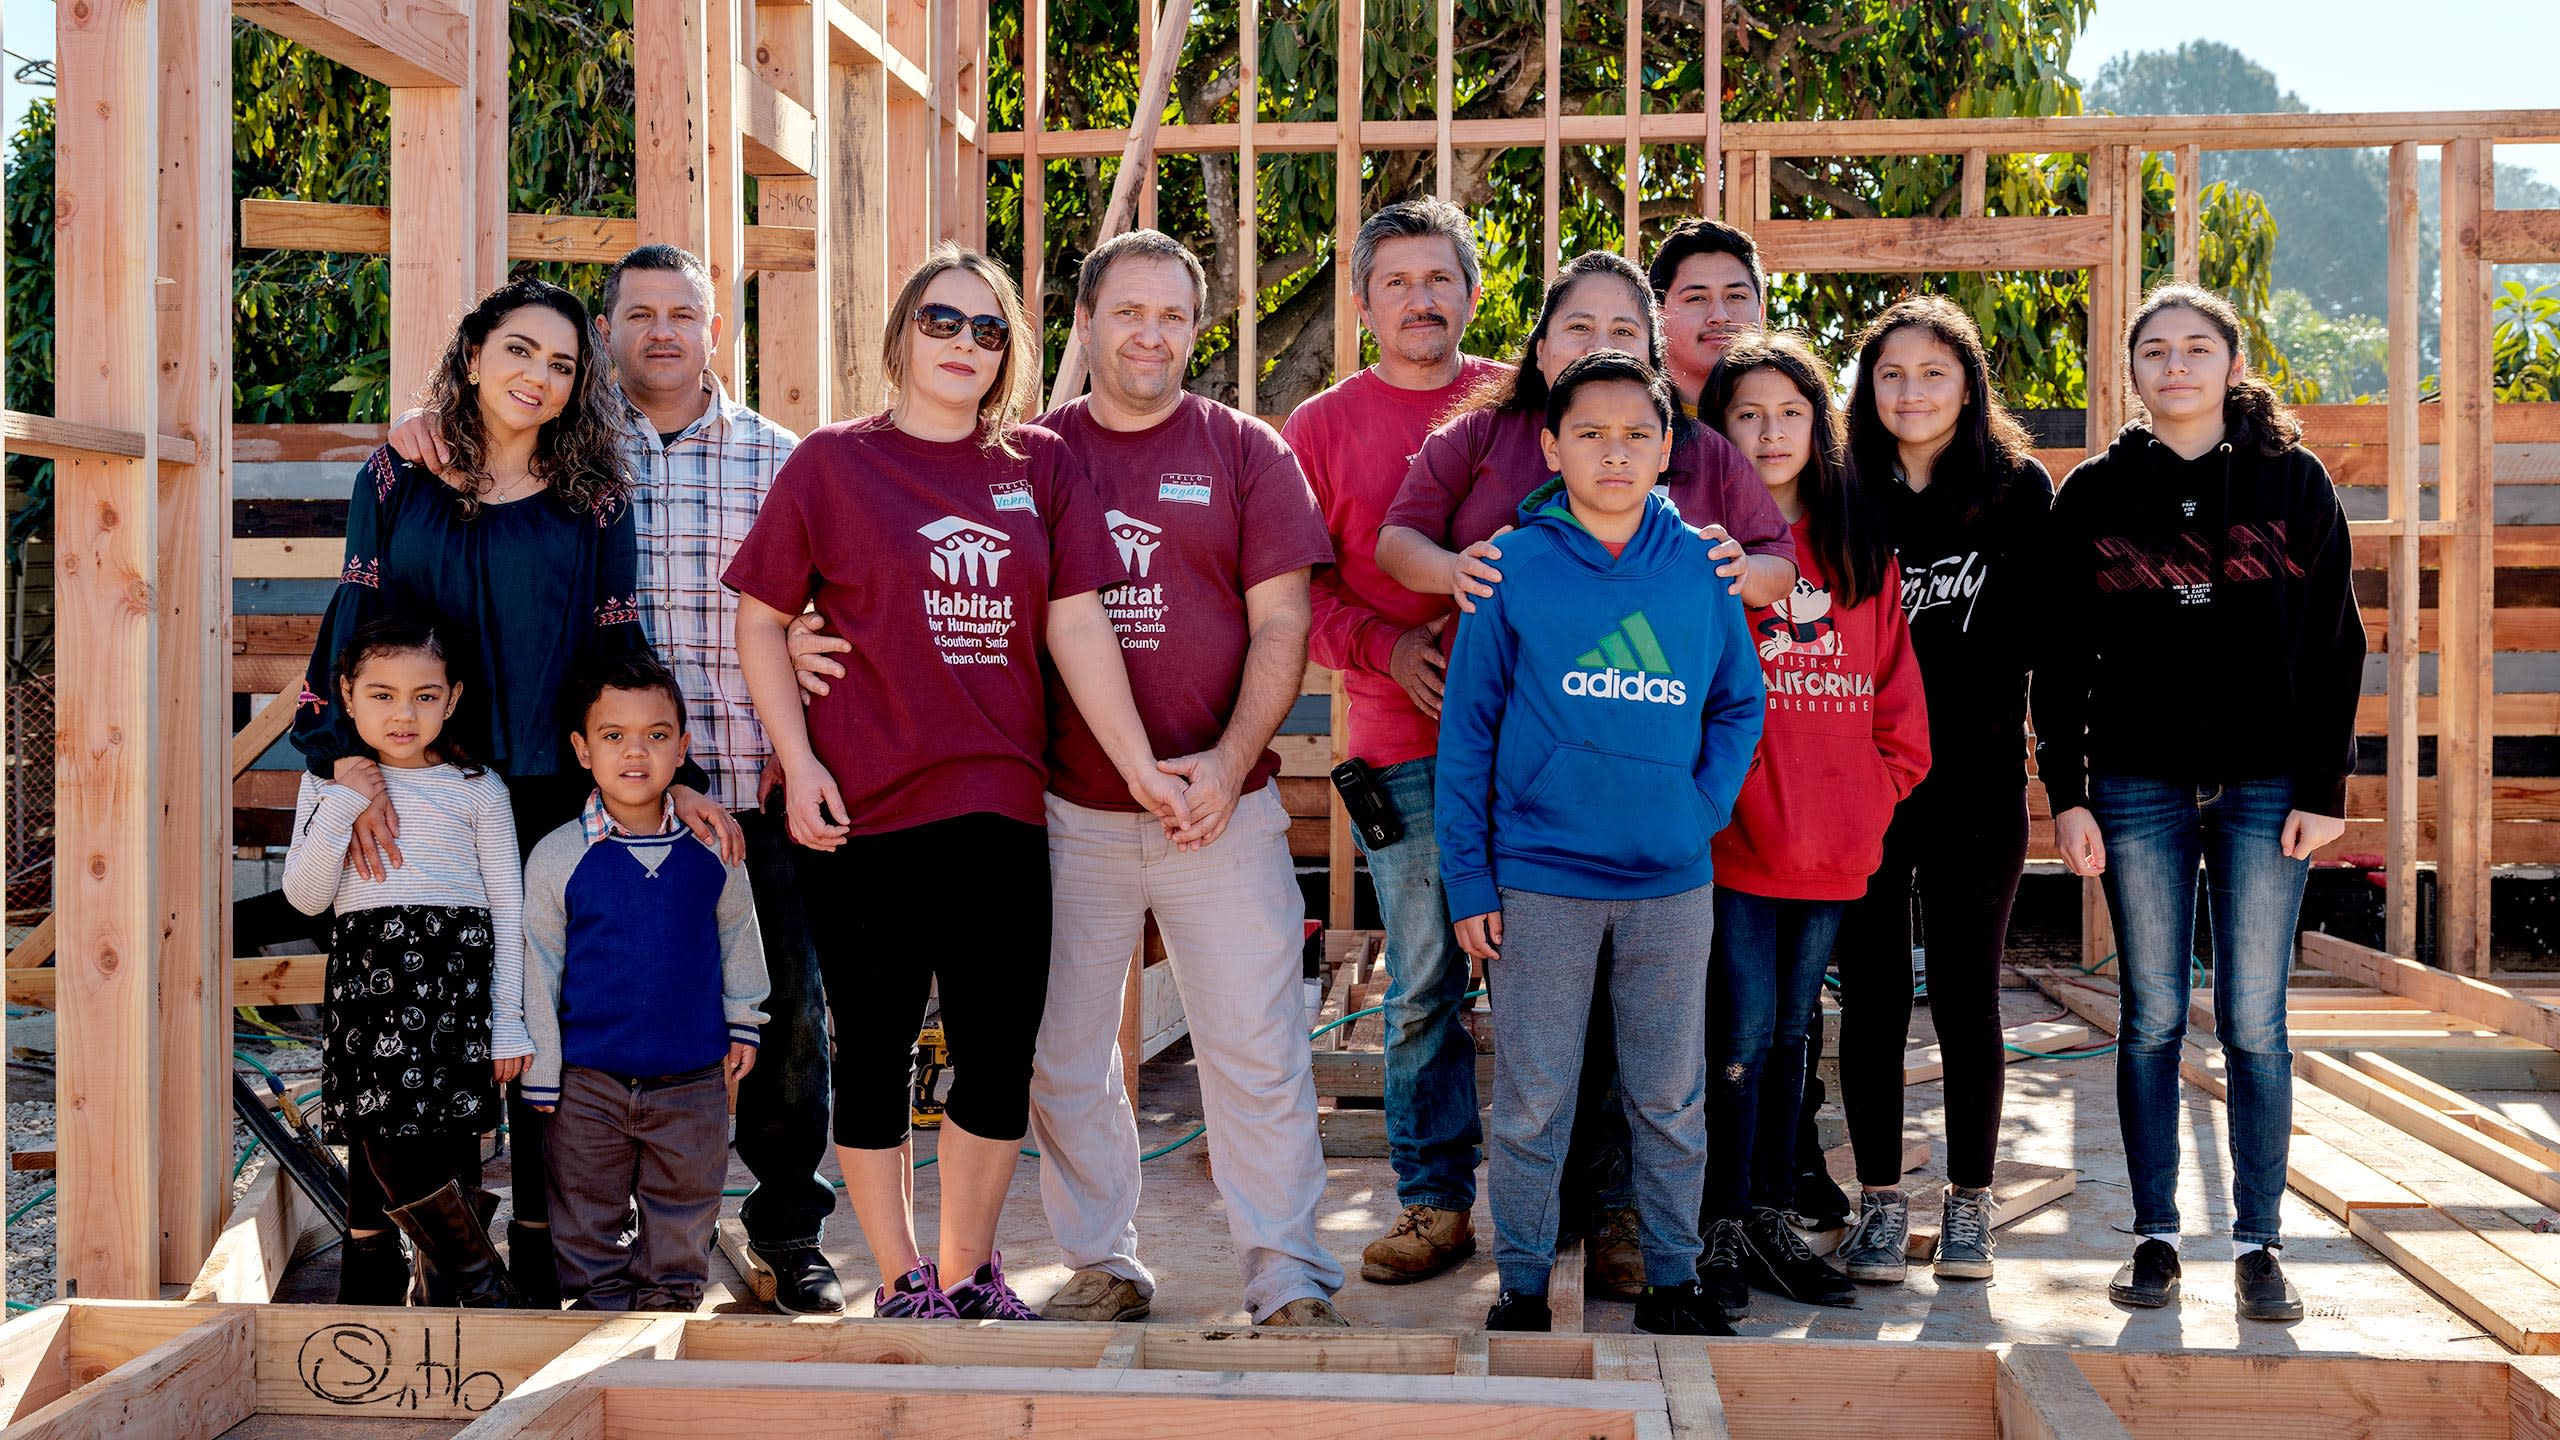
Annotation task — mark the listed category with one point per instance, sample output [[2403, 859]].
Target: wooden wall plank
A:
[[2187, 217], [193, 1145], [2400, 813], [1631, 216], [2520, 237], [2473, 999], [793, 378], [430, 204], [671, 120], [106, 344], [491, 193], [907, 179], [1249, 195], [2041, 1394], [1035, 173], [1347, 99], [857, 231], [723, 189], [1975, 183], [568, 239], [2464, 595], [1551, 86]]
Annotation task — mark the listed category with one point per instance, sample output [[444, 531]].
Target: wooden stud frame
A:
[[189, 1372]]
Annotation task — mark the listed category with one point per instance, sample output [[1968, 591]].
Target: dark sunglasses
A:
[[941, 322]]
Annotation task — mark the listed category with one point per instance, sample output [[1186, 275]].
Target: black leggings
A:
[[1965, 852], [965, 901]]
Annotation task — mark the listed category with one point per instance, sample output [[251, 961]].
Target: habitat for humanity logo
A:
[[961, 548], [1627, 664], [1136, 539]]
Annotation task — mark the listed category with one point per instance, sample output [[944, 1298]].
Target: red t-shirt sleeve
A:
[[1442, 475], [1080, 554], [778, 563], [1283, 528]]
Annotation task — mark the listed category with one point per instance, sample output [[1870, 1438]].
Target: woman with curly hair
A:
[[524, 552]]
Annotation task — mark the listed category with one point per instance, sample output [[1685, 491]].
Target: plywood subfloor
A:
[[2054, 1264]]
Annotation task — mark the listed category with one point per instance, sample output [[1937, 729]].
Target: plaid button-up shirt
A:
[[694, 499]]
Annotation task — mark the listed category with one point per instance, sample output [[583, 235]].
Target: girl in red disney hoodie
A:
[[1846, 736]]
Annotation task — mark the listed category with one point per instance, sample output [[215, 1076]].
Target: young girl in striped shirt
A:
[[424, 1015]]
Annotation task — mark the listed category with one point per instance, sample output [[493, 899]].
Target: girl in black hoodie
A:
[[2195, 702], [1964, 503]]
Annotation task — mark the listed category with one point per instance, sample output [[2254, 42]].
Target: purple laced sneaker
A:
[[986, 1296], [918, 1295]]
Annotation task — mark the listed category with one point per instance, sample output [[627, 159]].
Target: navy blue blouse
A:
[[525, 591]]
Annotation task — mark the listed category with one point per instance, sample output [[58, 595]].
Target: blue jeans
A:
[[2156, 832], [783, 1102], [1433, 1137], [1764, 990]]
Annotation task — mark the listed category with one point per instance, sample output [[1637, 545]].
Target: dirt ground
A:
[[2054, 1263]]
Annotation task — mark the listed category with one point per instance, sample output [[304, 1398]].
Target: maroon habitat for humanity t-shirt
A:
[[938, 560], [1202, 506]]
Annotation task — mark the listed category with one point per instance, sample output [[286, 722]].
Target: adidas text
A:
[[1615, 684]]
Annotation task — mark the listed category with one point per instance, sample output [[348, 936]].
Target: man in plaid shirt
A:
[[701, 464]]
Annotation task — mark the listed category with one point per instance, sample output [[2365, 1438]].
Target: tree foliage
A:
[[1811, 60]]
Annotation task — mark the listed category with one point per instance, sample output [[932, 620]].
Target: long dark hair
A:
[[1848, 535], [407, 635], [1989, 450], [578, 453], [1524, 388], [2252, 412]]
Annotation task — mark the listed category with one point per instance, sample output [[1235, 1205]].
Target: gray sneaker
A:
[[1964, 1235], [1874, 1248]]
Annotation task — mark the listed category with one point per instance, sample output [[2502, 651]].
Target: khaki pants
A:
[[1232, 918]]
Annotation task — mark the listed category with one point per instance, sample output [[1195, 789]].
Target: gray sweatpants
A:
[[612, 1142], [1542, 992]]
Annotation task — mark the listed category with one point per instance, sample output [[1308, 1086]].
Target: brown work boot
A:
[[1614, 1263], [1097, 1295], [1312, 1312], [1426, 1241]]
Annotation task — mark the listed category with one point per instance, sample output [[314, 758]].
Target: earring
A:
[[472, 378]]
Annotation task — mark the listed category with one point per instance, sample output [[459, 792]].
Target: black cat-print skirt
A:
[[404, 1047]]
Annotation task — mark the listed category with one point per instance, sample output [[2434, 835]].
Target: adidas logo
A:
[[1627, 664]]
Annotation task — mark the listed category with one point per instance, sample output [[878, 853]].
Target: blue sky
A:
[[2335, 54]]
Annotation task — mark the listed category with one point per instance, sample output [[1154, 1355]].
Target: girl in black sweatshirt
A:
[[2195, 702], [1964, 503]]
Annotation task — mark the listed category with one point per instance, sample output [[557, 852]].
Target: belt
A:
[[663, 1082]]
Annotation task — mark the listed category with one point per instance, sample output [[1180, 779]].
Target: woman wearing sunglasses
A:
[[956, 548]]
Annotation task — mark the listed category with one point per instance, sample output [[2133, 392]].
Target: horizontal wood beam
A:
[[193, 1387], [2026, 136], [2064, 242], [25, 434], [255, 980], [568, 239], [2520, 237], [2039, 1393], [2492, 1005], [778, 135], [411, 43], [263, 730]]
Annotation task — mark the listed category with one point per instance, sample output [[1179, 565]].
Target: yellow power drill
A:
[[933, 1069]]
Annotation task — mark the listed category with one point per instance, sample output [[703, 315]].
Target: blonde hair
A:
[[1017, 381]]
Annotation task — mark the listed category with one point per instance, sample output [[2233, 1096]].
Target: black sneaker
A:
[[803, 1282], [2264, 1293], [2150, 1279], [1776, 1259], [1720, 1268], [1515, 1311], [1680, 1310]]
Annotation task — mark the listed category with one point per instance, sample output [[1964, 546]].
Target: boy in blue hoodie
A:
[[1601, 711]]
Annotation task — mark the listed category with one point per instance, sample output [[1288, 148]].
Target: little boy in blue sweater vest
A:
[[1601, 711], [643, 971]]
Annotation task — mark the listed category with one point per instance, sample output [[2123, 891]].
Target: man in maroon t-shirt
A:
[[1415, 278], [1216, 533]]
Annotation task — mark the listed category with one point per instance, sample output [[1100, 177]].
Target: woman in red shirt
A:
[[959, 552]]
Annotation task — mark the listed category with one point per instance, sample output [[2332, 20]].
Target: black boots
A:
[[1514, 1311], [457, 1264], [1680, 1310], [803, 1282], [1777, 1260], [373, 1270], [532, 1266]]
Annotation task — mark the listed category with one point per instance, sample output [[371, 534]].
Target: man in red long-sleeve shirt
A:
[[1415, 279]]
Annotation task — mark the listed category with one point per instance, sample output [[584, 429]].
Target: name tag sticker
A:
[[1184, 489], [1014, 495]]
